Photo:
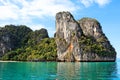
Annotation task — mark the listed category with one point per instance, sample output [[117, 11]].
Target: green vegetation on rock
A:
[[90, 45], [45, 50], [26, 45], [81, 40]]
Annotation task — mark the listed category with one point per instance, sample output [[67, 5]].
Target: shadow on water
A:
[[87, 70]]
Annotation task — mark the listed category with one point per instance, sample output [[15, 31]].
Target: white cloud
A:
[[25, 12], [88, 3], [102, 2], [8, 11], [23, 9]]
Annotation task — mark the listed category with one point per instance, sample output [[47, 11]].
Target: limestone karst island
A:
[[81, 40]]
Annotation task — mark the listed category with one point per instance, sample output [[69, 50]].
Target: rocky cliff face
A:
[[67, 35], [12, 37], [91, 27], [5, 44], [38, 35], [81, 40]]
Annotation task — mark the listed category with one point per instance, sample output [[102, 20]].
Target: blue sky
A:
[[38, 14]]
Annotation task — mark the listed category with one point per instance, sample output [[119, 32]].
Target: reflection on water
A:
[[59, 70], [28, 70], [87, 70]]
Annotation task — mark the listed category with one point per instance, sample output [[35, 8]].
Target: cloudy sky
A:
[[38, 14]]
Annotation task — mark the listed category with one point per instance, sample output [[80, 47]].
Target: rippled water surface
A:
[[60, 70]]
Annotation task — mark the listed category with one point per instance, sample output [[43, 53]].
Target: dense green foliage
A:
[[27, 45], [17, 34], [91, 45], [44, 50], [36, 36]]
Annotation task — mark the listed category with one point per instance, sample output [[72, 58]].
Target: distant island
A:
[[81, 40]]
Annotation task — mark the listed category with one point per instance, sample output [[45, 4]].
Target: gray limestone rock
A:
[[67, 34], [90, 27], [81, 40]]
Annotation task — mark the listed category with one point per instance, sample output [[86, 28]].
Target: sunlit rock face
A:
[[81, 40], [67, 33], [91, 27]]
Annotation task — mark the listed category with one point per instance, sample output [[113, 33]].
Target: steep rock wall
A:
[[67, 34], [81, 40]]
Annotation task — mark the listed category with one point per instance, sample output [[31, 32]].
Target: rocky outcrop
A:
[[67, 35], [13, 37], [91, 27], [38, 35], [5, 44], [97, 46], [81, 40]]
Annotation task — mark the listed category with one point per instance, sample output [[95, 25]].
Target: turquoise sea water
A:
[[60, 70]]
